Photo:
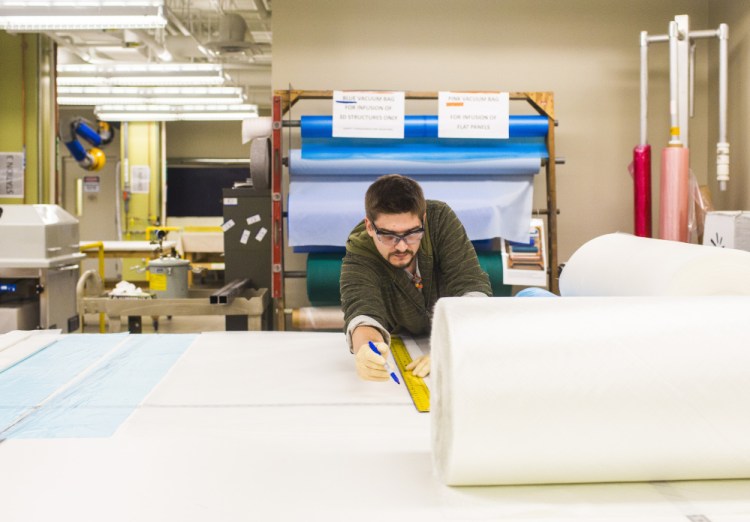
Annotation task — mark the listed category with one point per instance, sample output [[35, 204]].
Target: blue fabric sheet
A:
[[33, 379], [116, 383], [323, 213]]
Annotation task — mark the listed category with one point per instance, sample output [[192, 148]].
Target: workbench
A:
[[135, 249], [250, 303], [260, 426]]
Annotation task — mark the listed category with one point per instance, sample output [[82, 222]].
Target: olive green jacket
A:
[[448, 265]]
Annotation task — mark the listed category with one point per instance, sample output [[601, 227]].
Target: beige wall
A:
[[585, 51], [205, 139]]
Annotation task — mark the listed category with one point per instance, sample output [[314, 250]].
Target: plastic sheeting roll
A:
[[674, 195], [318, 318], [488, 183], [323, 274], [492, 263], [260, 163], [426, 126], [642, 190], [410, 162], [323, 213], [531, 391], [621, 264]]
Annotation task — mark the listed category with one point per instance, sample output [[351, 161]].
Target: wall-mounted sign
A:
[[91, 184], [11, 174], [140, 179]]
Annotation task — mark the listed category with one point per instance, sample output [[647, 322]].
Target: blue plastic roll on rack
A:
[[323, 212], [413, 161], [487, 182], [425, 126]]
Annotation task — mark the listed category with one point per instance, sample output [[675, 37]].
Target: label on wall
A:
[[11, 174], [140, 179], [91, 183], [368, 114], [473, 115]]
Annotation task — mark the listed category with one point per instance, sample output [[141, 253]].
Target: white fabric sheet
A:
[[601, 389], [276, 426], [621, 264]]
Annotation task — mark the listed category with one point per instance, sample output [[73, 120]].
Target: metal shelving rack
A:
[[284, 100]]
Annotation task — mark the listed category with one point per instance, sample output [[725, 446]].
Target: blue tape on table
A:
[[416, 126], [322, 213], [33, 379], [98, 404]]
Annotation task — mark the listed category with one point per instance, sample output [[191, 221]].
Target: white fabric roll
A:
[[256, 128], [621, 264], [590, 389], [318, 318]]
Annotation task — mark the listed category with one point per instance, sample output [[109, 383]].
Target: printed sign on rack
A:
[[482, 115], [368, 114]]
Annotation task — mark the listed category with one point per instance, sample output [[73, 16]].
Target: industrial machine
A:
[[39, 267], [247, 243]]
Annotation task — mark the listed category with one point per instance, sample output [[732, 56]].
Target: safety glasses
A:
[[412, 237]]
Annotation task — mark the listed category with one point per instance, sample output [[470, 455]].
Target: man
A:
[[404, 256]]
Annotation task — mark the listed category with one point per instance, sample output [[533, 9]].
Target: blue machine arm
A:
[[92, 159]]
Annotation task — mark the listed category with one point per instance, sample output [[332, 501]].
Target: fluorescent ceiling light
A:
[[50, 15], [83, 95], [176, 113], [140, 74]]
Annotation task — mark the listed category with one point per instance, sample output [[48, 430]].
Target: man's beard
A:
[[401, 262]]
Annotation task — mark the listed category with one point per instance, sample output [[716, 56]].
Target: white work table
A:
[[277, 426]]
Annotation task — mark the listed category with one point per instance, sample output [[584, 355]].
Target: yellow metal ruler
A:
[[418, 390]]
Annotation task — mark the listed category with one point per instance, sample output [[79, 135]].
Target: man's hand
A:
[[371, 366], [420, 366]]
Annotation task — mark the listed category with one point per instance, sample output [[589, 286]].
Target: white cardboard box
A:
[[727, 229]]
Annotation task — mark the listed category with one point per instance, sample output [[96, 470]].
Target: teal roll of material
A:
[[324, 272], [492, 263]]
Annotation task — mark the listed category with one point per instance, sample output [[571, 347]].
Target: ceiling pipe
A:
[[158, 49], [82, 52]]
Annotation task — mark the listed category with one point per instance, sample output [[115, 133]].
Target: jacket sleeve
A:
[[361, 292], [457, 259]]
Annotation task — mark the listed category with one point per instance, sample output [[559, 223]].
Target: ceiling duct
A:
[[232, 30]]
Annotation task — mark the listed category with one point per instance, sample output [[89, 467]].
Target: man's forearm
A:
[[363, 334]]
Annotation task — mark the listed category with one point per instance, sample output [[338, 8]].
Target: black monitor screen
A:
[[196, 191]]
